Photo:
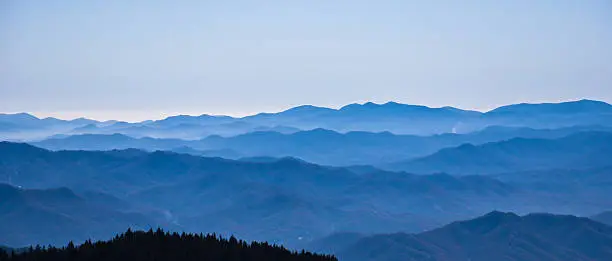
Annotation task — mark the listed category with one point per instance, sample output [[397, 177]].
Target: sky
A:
[[136, 60]]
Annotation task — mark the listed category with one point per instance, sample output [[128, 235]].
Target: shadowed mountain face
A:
[[603, 217], [580, 150], [284, 200], [110, 142], [287, 200], [368, 117], [551, 115], [53, 215], [495, 236]]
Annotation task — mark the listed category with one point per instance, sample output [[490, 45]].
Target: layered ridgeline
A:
[[280, 201], [319, 146], [603, 217], [284, 200], [577, 151], [53, 216], [269, 177], [160, 245], [495, 236], [369, 117]]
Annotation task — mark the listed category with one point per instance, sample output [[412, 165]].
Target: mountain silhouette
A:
[[577, 107], [580, 150], [51, 216], [494, 236], [393, 117], [160, 245], [286, 200], [603, 217], [319, 145]]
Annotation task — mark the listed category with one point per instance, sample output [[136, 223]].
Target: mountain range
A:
[[494, 236], [579, 150], [369, 117], [365, 181], [318, 146], [284, 200], [287, 192]]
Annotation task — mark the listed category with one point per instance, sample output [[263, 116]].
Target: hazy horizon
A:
[[138, 116], [146, 60]]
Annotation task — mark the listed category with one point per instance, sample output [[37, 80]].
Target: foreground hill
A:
[[580, 150], [495, 236], [162, 246]]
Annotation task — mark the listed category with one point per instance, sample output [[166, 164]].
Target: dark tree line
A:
[[160, 246]]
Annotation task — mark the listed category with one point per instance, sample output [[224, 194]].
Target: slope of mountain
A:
[[324, 146], [54, 216], [603, 217], [109, 142], [550, 115], [580, 150], [181, 127], [369, 117], [334, 242], [495, 236], [21, 119], [279, 129], [573, 107], [500, 133], [23, 126], [25, 121], [203, 119], [221, 153], [562, 180]]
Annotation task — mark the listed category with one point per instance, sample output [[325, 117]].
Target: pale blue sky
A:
[[143, 59]]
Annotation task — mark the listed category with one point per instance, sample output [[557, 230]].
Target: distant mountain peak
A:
[[382, 106], [576, 106], [320, 131], [18, 116], [304, 109], [496, 214], [494, 236]]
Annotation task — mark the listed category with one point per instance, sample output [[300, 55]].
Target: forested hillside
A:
[[160, 246]]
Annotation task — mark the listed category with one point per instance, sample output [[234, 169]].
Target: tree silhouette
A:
[[160, 246]]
